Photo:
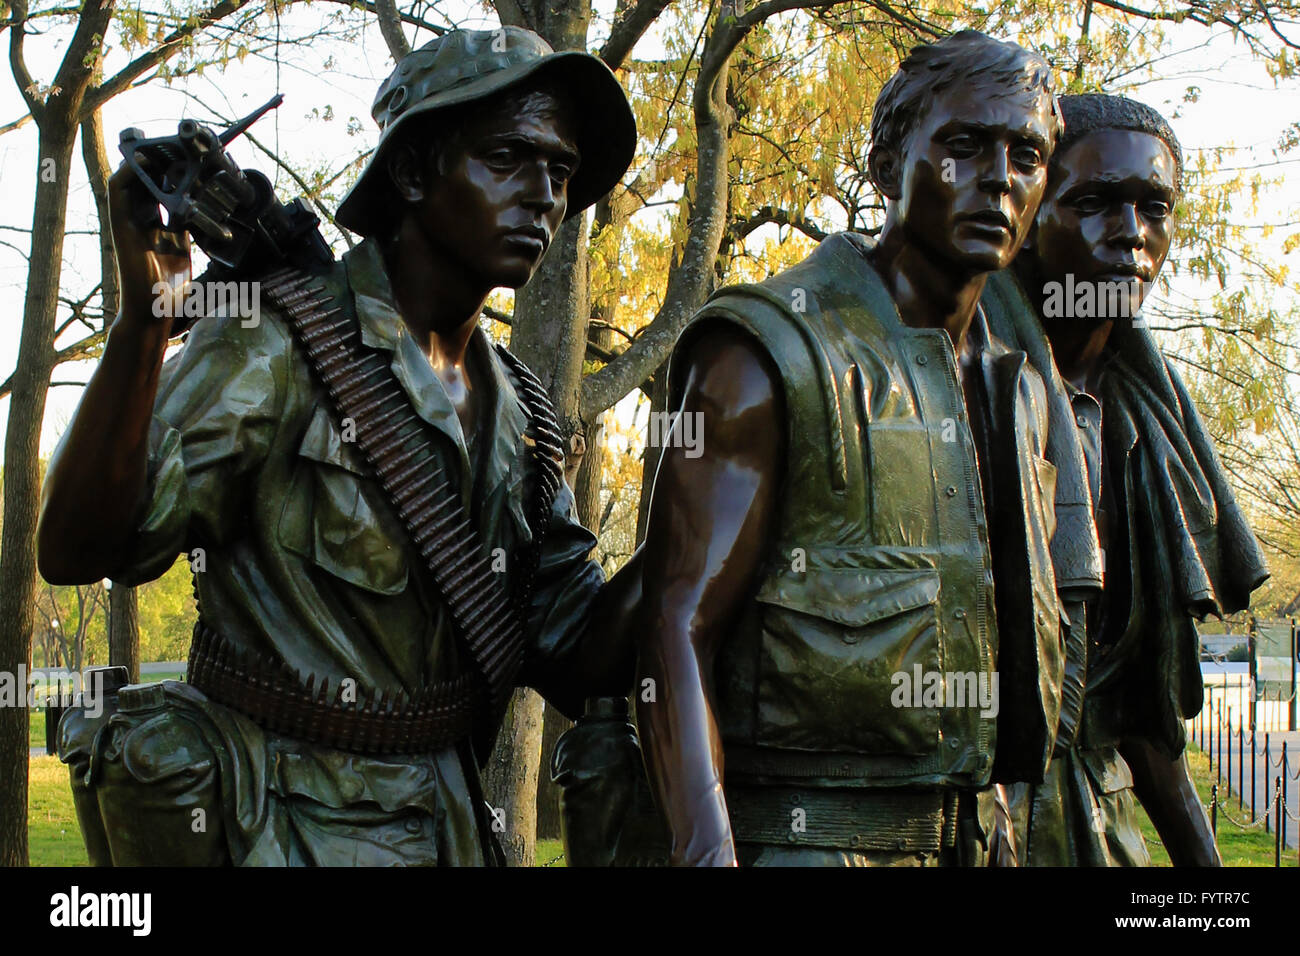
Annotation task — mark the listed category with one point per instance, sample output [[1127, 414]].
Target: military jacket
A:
[[881, 563], [299, 556]]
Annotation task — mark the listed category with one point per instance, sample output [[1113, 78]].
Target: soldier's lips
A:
[[532, 240]]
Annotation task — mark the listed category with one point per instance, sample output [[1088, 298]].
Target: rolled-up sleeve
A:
[[218, 408]]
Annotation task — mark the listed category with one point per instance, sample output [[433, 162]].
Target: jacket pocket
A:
[[333, 517], [832, 644]]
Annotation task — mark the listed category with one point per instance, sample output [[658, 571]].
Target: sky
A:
[[1237, 106]]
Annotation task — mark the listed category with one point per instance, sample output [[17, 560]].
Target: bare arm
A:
[[98, 472], [1169, 797], [710, 518]]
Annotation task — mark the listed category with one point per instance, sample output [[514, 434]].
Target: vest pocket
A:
[[832, 642]]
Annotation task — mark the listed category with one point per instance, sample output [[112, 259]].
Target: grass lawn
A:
[[56, 839], [53, 835], [1237, 847], [36, 731]]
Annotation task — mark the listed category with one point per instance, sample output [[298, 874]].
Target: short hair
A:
[[969, 58], [1086, 113]]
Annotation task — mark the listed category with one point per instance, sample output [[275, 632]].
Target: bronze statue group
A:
[[925, 594]]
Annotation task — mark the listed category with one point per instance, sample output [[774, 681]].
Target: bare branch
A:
[[16, 124], [170, 45], [628, 29], [390, 25], [18, 63]]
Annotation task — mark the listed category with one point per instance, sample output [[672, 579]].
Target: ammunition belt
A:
[[276, 698], [899, 820], [399, 448]]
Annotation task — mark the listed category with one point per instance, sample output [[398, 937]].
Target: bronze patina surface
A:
[[1176, 543], [236, 458], [873, 462]]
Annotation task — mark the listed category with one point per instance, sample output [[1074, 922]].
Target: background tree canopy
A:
[[754, 121]]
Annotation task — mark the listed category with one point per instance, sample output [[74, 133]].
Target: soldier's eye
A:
[[1088, 204], [1156, 209], [963, 144], [1027, 157]]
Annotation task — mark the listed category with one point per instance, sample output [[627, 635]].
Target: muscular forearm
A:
[[682, 751], [1169, 797], [102, 459]]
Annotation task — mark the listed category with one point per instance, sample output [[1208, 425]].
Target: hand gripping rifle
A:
[[232, 213]]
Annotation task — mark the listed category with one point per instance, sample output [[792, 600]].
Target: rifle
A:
[[232, 213]]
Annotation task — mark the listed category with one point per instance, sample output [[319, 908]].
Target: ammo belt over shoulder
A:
[[899, 820], [399, 449], [277, 699]]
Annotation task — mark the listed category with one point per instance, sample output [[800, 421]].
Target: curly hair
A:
[[1086, 113]]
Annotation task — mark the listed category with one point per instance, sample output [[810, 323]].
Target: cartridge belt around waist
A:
[[278, 699], [898, 819]]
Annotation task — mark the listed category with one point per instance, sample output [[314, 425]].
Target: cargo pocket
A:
[[836, 645], [330, 517]]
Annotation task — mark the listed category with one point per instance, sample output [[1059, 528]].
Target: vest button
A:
[[951, 491], [921, 360], [960, 614]]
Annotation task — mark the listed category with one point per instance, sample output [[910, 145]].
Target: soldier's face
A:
[[972, 174], [498, 191], [1108, 215]]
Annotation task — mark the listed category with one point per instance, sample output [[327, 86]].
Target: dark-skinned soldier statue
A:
[[338, 706], [820, 619], [1176, 544]]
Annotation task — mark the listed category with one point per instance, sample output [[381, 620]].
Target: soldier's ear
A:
[[406, 172], [885, 167]]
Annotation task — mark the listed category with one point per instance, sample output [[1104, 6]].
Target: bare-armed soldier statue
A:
[[873, 460], [387, 543]]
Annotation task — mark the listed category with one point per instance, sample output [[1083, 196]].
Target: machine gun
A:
[[232, 213]]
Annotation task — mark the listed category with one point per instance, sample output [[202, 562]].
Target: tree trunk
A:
[[123, 617], [22, 469], [550, 334], [510, 778]]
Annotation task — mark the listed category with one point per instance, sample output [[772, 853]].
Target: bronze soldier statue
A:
[[820, 619], [1176, 544], [370, 584]]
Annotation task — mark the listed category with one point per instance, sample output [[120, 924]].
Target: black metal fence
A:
[[1252, 752]]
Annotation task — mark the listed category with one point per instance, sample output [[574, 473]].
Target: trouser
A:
[[153, 785]]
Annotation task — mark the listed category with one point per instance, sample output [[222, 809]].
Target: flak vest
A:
[[880, 573]]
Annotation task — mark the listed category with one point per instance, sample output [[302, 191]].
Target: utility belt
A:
[[275, 697], [895, 819]]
